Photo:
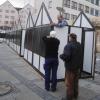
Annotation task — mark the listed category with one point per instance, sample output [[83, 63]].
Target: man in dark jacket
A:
[[51, 60], [72, 57]]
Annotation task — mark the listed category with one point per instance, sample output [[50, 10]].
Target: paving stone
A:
[[27, 73], [26, 94], [6, 76]]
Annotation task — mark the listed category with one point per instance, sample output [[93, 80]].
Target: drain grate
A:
[[5, 88]]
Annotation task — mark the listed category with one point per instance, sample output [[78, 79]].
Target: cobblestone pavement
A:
[[29, 85]]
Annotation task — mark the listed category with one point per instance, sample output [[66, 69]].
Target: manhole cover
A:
[[5, 89]]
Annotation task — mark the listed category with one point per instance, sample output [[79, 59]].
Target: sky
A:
[[19, 3]]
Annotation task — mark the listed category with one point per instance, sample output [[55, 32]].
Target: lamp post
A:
[[61, 10]]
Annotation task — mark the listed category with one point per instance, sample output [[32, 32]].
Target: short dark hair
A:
[[73, 36]]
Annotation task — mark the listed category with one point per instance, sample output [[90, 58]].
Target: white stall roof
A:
[[43, 17], [18, 25], [83, 21], [30, 22]]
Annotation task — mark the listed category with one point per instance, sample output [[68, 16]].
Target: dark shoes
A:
[[63, 99], [69, 99], [53, 90], [47, 89]]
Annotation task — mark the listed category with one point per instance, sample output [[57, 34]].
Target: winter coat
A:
[[72, 56]]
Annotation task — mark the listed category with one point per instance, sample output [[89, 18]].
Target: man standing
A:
[[61, 22], [72, 57], [51, 60]]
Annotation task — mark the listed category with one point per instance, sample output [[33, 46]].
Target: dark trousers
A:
[[71, 81], [50, 67]]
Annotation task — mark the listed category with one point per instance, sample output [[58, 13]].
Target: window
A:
[[97, 2], [24, 16], [22, 12], [74, 5], [9, 5], [28, 9], [50, 4], [98, 39], [12, 11], [92, 1], [0, 10], [6, 16], [12, 23], [19, 16], [7, 11], [12, 17], [92, 11], [96, 13], [0, 16], [66, 3], [66, 16], [6, 22], [36, 10], [81, 7], [88, 0], [21, 21], [73, 17], [86, 9]]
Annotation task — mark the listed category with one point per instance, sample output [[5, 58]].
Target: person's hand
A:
[[52, 24], [60, 56], [48, 36]]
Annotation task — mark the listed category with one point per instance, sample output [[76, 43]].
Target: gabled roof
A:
[[30, 22], [7, 2], [18, 9], [83, 21], [11, 5], [43, 17], [27, 5], [18, 25]]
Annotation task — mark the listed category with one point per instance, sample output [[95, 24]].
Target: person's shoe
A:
[[53, 90], [75, 97], [47, 89], [63, 99]]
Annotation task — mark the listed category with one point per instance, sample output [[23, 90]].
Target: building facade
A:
[[71, 8], [12, 17], [96, 23], [8, 15]]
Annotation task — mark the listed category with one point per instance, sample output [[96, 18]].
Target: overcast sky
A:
[[19, 3]]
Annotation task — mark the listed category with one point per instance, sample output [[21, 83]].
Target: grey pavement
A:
[[29, 85]]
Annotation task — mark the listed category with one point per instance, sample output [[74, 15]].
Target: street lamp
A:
[[61, 10]]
